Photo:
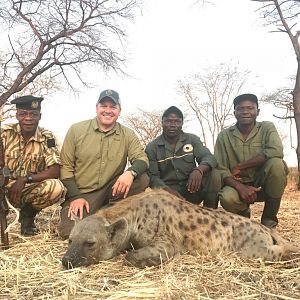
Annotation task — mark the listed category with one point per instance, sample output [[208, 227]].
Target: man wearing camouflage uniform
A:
[[32, 156]]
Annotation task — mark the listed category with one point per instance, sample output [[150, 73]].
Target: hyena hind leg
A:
[[152, 255]]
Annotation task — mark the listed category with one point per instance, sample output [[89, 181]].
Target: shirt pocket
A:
[[186, 163], [36, 163], [13, 160], [116, 149], [255, 148]]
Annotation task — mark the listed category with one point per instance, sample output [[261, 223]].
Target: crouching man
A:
[[33, 159], [94, 154]]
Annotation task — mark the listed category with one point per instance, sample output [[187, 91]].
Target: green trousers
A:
[[271, 177], [208, 192]]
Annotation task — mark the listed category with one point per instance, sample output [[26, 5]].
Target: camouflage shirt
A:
[[24, 158]]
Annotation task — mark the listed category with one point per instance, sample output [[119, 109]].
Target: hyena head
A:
[[91, 240]]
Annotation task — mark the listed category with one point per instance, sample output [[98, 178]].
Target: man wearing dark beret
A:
[[250, 157], [32, 156], [181, 164]]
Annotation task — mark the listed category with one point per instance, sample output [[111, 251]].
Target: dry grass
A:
[[31, 269]]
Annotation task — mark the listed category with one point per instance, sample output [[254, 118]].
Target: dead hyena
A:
[[155, 225]]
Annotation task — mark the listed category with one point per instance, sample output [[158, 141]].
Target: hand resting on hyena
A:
[[154, 226]]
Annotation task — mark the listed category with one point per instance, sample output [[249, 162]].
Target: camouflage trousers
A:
[[41, 194]]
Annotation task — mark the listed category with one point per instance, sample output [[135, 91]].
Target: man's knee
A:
[[57, 190], [275, 171], [139, 185], [230, 200], [66, 224]]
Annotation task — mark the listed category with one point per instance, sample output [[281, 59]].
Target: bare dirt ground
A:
[[31, 269]]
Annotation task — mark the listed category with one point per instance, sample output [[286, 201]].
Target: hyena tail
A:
[[281, 246]]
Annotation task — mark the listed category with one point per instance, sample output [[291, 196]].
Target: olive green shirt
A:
[[92, 158], [231, 148], [173, 167]]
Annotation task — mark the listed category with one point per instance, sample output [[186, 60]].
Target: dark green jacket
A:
[[168, 167]]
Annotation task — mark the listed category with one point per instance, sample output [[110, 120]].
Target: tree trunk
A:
[[296, 104]]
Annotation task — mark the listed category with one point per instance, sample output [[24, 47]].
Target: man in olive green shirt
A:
[[180, 164], [250, 155], [94, 156]]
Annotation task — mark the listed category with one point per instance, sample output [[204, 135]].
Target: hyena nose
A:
[[66, 262]]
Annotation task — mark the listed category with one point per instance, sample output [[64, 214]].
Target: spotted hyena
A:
[[155, 225]]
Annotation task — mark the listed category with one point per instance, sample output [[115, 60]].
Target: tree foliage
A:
[[50, 41], [146, 124], [209, 97]]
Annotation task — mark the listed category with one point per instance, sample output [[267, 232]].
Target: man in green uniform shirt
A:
[[250, 155], [180, 164], [94, 155]]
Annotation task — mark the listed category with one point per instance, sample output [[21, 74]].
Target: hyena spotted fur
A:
[[154, 226]]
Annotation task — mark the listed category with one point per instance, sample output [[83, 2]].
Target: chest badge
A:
[[187, 148]]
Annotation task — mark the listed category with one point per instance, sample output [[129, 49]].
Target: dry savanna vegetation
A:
[[31, 269]]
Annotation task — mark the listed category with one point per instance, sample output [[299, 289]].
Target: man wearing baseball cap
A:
[[250, 155], [94, 154]]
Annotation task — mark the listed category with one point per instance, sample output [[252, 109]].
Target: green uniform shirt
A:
[[31, 157], [231, 149], [92, 158], [169, 167]]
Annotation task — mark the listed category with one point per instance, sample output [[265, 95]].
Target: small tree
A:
[[50, 41], [146, 124], [209, 96]]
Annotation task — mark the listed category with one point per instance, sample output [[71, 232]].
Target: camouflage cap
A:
[[28, 102], [110, 94], [250, 97]]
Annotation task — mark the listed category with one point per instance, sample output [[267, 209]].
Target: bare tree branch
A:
[[209, 97], [57, 38], [146, 124]]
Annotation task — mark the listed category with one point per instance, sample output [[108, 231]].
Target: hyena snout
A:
[[68, 262]]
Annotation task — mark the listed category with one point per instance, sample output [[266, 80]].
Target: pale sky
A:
[[172, 39]]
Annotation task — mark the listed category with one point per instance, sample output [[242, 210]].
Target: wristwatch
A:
[[133, 173], [29, 179]]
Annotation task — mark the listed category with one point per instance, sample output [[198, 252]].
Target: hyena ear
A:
[[118, 231]]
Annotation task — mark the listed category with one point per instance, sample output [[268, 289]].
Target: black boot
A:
[[271, 208], [27, 215], [211, 200], [245, 213]]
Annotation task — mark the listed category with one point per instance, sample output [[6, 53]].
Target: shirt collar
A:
[[116, 129], [237, 133], [36, 137]]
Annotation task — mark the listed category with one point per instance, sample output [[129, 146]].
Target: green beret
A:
[[28, 102]]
